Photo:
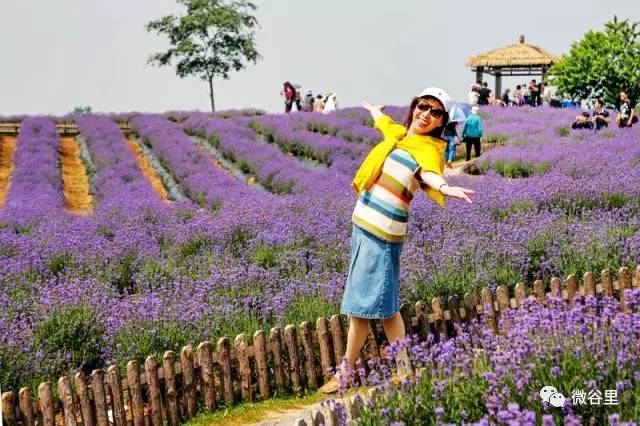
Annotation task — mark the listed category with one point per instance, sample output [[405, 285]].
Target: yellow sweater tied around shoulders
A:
[[426, 150]]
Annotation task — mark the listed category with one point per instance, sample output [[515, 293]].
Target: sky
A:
[[57, 55]]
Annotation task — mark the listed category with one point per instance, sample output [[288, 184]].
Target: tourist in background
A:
[[307, 103], [505, 98], [297, 99], [472, 132], [626, 114], [451, 136], [534, 93], [483, 94], [318, 104], [330, 103], [600, 116], [546, 94], [289, 93], [582, 121], [473, 95], [518, 97]]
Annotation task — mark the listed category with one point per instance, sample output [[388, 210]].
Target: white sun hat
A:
[[439, 94]]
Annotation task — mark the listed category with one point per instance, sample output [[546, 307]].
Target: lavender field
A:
[[144, 272]]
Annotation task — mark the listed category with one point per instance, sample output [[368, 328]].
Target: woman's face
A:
[[423, 116]]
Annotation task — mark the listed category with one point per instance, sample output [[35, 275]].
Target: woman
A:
[[626, 113], [289, 93], [410, 157], [330, 103], [473, 95], [518, 96], [451, 136], [472, 132]]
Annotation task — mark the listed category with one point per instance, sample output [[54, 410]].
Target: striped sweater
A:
[[383, 209]]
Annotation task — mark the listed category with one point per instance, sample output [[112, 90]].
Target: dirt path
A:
[[148, 171], [288, 417], [75, 182], [7, 149]]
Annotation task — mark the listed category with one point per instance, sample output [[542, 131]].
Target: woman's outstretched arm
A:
[[374, 110], [437, 182]]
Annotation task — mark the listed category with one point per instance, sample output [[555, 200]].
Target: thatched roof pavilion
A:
[[520, 59]]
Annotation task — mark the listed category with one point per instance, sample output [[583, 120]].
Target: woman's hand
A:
[[457, 192], [366, 105]]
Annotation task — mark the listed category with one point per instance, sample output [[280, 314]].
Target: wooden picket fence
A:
[[292, 359]]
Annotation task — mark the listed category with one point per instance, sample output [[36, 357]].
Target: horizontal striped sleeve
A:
[[383, 207]]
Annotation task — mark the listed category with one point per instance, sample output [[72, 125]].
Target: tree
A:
[[81, 110], [213, 38], [601, 64]]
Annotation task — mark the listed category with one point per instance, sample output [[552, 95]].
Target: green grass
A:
[[248, 413]]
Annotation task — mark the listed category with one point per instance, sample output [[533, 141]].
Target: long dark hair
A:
[[437, 132]]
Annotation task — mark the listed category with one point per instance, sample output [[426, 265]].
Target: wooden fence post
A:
[[471, 306], [624, 281], [373, 349], [135, 392], [171, 392], [117, 399], [153, 382], [572, 288], [292, 350], [488, 310], [605, 281], [309, 355], [8, 409], [538, 291], [454, 313], [326, 350], [262, 369], [225, 367], [45, 401], [423, 321], [278, 364], [521, 294], [84, 396], [405, 313], [637, 274], [26, 407], [99, 398], [589, 284], [438, 319], [188, 380], [207, 385], [68, 401], [244, 369], [502, 297], [337, 332], [556, 288]]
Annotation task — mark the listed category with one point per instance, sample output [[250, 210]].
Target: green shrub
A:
[[562, 131], [195, 246], [70, 338], [136, 342], [59, 263], [496, 138]]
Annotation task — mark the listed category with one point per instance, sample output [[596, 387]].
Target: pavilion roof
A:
[[519, 54]]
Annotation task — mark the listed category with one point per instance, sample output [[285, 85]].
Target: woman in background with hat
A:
[[410, 157]]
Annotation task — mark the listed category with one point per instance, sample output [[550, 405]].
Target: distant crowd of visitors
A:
[[320, 103], [534, 94], [599, 117]]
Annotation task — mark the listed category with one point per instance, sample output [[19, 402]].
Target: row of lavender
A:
[[552, 364], [233, 259]]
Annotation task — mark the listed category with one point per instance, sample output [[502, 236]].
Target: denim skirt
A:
[[372, 289]]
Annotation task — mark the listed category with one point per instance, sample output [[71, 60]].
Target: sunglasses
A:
[[435, 112]]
